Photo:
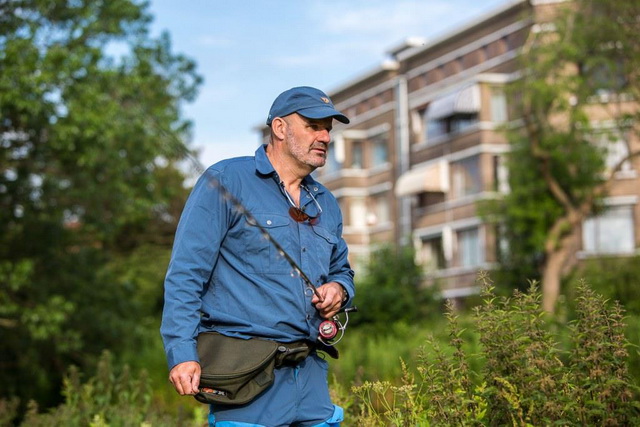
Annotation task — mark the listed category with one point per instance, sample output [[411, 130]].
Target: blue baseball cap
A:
[[307, 101]]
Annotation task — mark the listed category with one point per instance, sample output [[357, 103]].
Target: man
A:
[[225, 276]]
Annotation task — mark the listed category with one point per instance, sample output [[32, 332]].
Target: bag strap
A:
[[293, 353]]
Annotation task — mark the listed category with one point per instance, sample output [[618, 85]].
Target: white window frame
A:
[[611, 232], [470, 253]]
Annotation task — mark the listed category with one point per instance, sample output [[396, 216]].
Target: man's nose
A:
[[324, 136]]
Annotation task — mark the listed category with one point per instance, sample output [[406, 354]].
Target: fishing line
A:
[[198, 167]]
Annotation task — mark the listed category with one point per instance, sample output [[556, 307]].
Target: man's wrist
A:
[[345, 294]]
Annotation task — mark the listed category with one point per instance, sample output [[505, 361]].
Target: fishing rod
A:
[[329, 328], [239, 207]]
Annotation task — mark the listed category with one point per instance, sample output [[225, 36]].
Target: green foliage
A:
[[110, 398], [526, 378], [89, 183], [150, 357], [616, 278], [598, 359], [366, 356], [523, 371], [390, 290]]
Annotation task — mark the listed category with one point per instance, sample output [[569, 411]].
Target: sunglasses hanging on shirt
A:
[[301, 215]]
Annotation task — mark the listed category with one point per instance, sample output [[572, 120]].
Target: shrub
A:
[[600, 380], [526, 377], [616, 278], [391, 291], [109, 399]]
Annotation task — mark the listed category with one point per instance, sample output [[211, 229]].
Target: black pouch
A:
[[234, 370]]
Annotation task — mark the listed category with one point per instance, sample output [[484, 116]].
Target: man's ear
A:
[[279, 127]]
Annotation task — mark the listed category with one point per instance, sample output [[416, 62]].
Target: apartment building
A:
[[425, 145]]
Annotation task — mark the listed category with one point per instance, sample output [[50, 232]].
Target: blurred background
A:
[[249, 52], [497, 136]]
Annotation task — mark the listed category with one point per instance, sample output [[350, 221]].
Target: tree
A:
[[390, 290], [89, 143], [577, 99]]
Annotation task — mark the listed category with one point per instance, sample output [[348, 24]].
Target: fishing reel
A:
[[331, 328]]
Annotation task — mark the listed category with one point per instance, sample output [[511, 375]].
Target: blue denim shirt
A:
[[225, 276]]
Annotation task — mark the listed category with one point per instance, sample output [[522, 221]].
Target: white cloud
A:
[[384, 19], [342, 34]]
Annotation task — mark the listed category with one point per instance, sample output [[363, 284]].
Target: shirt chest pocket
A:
[[322, 243], [262, 254]]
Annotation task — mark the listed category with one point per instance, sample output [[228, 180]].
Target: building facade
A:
[[425, 145]]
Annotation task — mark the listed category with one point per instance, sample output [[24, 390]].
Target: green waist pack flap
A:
[[234, 370]]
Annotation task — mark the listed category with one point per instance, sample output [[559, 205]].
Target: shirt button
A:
[[308, 317], [304, 249], [315, 188], [268, 222]]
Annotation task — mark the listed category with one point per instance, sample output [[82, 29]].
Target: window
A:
[[453, 112], [615, 149], [430, 198], [502, 248], [381, 209], [418, 125], [606, 78], [460, 122], [469, 250], [431, 253], [357, 212], [331, 164], [448, 125], [380, 149], [466, 177], [435, 129], [610, 232], [498, 105], [500, 175], [356, 155]]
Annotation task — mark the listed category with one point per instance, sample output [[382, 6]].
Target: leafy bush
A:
[[526, 378], [616, 278], [503, 366], [109, 399]]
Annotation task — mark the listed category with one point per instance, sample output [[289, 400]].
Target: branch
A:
[[603, 188], [540, 154], [618, 165]]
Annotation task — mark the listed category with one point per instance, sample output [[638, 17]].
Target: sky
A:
[[249, 51]]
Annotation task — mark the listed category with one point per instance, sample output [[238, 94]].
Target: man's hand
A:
[[332, 295], [185, 377]]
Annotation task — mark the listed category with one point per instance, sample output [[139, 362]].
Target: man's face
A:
[[307, 140]]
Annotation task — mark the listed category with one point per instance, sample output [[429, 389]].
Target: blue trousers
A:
[[298, 397]]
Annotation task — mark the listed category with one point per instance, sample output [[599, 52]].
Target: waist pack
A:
[[235, 370]]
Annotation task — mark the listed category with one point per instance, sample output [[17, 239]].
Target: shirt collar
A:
[[263, 164], [264, 167]]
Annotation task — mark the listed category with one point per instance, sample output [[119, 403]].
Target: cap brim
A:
[[323, 113]]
